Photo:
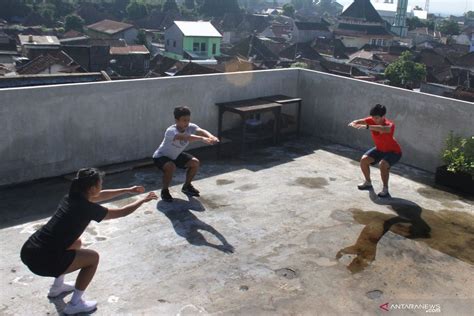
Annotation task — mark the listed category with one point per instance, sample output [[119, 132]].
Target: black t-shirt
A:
[[68, 223]]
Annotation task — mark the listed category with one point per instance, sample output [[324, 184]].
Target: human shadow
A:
[[408, 223], [188, 225], [60, 304]]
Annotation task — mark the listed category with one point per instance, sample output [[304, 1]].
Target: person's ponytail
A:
[[84, 180]]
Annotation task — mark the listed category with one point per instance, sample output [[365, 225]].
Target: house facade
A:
[[360, 24], [309, 31], [192, 40]]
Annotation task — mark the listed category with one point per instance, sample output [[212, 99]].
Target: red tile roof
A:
[[43, 62]]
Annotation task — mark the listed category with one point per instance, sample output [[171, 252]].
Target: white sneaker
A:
[[81, 307], [58, 290]]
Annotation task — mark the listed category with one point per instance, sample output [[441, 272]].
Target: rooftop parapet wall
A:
[[422, 121], [53, 130]]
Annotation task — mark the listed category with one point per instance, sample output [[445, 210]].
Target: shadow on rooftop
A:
[[447, 231], [188, 225], [39, 199]]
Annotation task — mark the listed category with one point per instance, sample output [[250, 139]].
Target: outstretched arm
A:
[[380, 128], [112, 193], [130, 208], [202, 137]]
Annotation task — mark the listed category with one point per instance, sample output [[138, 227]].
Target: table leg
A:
[[244, 130]]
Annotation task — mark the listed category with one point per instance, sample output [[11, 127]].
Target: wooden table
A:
[[247, 108], [283, 100]]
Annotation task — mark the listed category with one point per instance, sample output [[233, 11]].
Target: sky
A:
[[443, 7]]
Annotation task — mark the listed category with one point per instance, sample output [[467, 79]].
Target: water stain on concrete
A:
[[247, 187], [452, 205], [447, 231], [312, 183], [213, 201], [224, 181], [148, 212], [374, 294], [332, 179], [99, 238], [437, 195]]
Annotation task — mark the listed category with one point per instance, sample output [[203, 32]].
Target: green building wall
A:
[[189, 41]]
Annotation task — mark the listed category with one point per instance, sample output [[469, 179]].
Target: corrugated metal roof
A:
[[38, 40], [205, 29], [133, 49], [109, 26]]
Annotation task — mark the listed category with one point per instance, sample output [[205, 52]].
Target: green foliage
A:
[[469, 14], [299, 65], [459, 154], [141, 39], [217, 8], [13, 8], [170, 5], [189, 4], [288, 10], [136, 10], [449, 27], [405, 72], [73, 22]]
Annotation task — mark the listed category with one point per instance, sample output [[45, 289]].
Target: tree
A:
[[299, 65], [288, 10], [141, 39], [414, 22], [189, 4], [217, 8], [170, 5], [73, 22], [404, 72], [469, 15], [13, 8], [136, 10], [449, 27]]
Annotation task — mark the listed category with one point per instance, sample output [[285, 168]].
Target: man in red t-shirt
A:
[[386, 152]]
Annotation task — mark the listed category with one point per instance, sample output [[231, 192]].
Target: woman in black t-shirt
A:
[[55, 249]]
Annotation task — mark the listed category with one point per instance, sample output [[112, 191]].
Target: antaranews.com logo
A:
[[428, 308]]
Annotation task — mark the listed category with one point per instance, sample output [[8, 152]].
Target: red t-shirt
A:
[[384, 142]]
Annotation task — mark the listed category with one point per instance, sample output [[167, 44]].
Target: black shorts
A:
[[390, 157], [48, 263], [180, 161]]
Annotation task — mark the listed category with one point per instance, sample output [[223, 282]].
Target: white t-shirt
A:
[[171, 147]]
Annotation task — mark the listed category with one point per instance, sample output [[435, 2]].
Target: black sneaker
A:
[[166, 196], [190, 190]]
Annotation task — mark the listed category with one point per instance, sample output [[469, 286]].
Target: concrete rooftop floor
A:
[[282, 232]]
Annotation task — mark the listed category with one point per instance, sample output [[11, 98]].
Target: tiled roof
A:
[[312, 26], [109, 26], [252, 46], [43, 62], [133, 49], [466, 60], [300, 50], [363, 10]]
